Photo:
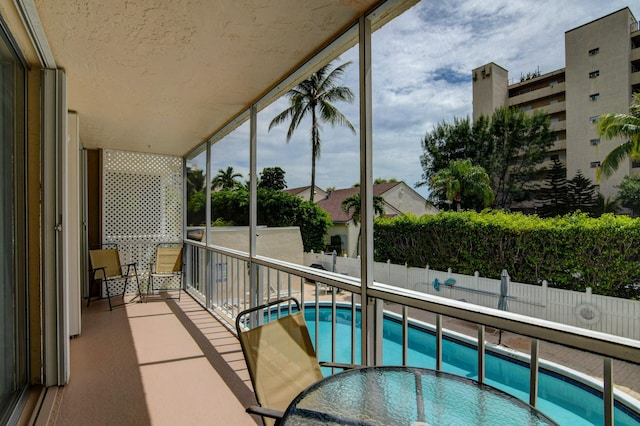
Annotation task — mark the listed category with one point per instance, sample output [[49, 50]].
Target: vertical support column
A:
[[405, 335], [207, 265], [438, 342], [533, 372], [608, 392], [366, 181], [481, 339], [255, 283], [377, 326], [207, 179]]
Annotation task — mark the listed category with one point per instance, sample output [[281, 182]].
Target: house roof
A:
[[332, 203]]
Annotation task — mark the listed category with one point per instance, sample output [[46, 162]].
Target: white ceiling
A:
[[161, 76]]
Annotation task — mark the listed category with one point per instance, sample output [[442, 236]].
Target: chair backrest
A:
[[168, 259], [108, 259], [280, 358]]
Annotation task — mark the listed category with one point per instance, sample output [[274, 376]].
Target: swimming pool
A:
[[560, 395]]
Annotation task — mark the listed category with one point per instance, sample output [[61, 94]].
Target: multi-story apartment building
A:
[[602, 70]]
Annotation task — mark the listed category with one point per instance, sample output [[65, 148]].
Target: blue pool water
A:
[[565, 400]]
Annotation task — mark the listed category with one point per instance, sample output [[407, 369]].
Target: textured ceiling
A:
[[161, 76]]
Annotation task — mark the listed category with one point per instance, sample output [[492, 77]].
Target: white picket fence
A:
[[612, 315]]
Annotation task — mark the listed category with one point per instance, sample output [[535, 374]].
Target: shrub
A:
[[571, 252]]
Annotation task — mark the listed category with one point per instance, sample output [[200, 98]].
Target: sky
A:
[[421, 74]]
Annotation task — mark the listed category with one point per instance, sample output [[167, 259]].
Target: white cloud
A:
[[422, 64]]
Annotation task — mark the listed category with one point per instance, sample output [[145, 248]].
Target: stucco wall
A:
[[278, 243]]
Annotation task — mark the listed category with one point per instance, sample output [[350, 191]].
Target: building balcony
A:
[[177, 362], [635, 78], [549, 108], [537, 94], [557, 126]]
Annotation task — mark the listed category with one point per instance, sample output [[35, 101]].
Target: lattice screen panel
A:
[[142, 205]]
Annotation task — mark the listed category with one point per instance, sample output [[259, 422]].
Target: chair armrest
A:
[[128, 266], [339, 365], [99, 268], [265, 412]]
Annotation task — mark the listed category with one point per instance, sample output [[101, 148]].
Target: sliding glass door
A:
[[13, 314]]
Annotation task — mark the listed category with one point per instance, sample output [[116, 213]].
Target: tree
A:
[[275, 208], [627, 126], [629, 194], [226, 179], [582, 194], [509, 145], [462, 183], [314, 97], [378, 181], [353, 204], [448, 142], [196, 198], [195, 181], [272, 178], [554, 195], [518, 143]]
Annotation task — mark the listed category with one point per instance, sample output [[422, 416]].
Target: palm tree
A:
[[462, 181], [195, 181], [314, 96], [611, 126], [353, 203], [226, 179]]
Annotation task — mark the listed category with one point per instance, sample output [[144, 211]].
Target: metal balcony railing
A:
[[220, 279]]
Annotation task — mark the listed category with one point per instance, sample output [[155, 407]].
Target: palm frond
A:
[[611, 162]]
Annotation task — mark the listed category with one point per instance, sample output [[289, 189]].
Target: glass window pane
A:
[[196, 195], [332, 167], [229, 180]]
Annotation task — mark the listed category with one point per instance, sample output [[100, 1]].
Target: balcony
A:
[[177, 362], [544, 92]]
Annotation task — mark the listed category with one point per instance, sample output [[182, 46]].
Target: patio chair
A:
[[280, 358], [106, 268], [166, 269], [275, 294]]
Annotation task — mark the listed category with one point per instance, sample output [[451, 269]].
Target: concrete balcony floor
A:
[[171, 362], [164, 362]]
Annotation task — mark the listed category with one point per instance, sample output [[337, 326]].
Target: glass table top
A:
[[407, 396]]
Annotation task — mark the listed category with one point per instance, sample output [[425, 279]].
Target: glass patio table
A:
[[407, 396]]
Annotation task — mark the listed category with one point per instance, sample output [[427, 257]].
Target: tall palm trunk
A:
[[315, 144]]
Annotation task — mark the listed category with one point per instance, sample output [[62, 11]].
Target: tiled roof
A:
[[296, 191], [333, 202]]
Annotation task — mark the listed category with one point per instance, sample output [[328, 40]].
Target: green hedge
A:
[[571, 252]]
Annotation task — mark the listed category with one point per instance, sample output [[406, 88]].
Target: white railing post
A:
[[533, 372], [608, 397], [427, 277], [406, 270]]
